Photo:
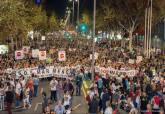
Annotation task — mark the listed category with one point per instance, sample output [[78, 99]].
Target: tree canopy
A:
[[127, 14], [20, 16]]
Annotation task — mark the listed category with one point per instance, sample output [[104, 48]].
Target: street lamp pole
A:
[[93, 44], [150, 31], [78, 11], [73, 14]]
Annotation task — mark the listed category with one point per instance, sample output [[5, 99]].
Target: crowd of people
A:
[[108, 94]]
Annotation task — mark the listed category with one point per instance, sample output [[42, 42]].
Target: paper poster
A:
[[95, 56], [25, 49], [35, 53], [42, 55], [19, 55], [131, 61], [62, 56], [139, 59]]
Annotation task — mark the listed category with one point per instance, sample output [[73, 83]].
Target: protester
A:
[[93, 106], [78, 83], [53, 88], [35, 85], [59, 108], [9, 99]]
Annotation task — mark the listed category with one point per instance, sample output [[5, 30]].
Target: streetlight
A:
[[93, 44], [78, 11], [73, 1]]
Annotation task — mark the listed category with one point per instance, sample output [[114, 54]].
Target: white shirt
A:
[[23, 82], [53, 85], [108, 110], [18, 88]]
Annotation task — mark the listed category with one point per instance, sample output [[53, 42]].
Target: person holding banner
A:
[[18, 90], [53, 89], [35, 85]]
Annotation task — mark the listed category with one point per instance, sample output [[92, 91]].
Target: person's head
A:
[[59, 102], [149, 107]]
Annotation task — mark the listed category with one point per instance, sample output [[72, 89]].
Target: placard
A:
[[35, 53], [42, 55], [19, 54], [61, 56]]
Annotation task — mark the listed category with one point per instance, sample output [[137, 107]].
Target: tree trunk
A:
[[130, 40]]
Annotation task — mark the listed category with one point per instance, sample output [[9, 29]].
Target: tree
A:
[[53, 23], [127, 14], [18, 17]]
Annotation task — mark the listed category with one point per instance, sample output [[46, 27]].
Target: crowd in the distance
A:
[[144, 92]]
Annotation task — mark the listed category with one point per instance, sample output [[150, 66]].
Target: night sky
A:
[[59, 6]]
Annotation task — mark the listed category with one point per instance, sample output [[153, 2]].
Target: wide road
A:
[[36, 103]]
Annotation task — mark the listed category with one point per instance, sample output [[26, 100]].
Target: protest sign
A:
[[61, 56], [19, 54], [35, 53], [95, 56], [42, 55], [139, 59], [131, 61]]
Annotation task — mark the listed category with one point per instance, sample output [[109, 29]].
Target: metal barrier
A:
[[2, 104]]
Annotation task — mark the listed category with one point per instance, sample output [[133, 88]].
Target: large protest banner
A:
[[42, 73], [64, 72]]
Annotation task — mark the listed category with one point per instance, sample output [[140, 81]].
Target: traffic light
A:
[[83, 27]]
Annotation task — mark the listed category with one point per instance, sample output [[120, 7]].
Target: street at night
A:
[[82, 56]]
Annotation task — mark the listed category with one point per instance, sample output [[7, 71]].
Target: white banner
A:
[[49, 71], [64, 72], [42, 55], [61, 56], [19, 55], [35, 53]]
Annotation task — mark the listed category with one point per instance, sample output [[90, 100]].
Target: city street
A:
[[37, 107]]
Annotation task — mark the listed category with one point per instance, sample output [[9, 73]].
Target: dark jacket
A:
[[93, 106], [9, 97]]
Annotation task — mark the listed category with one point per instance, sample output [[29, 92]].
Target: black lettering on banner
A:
[[58, 71], [38, 71], [67, 71], [54, 70], [112, 72], [13, 73], [43, 71], [19, 72], [62, 72], [25, 72], [47, 71]]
